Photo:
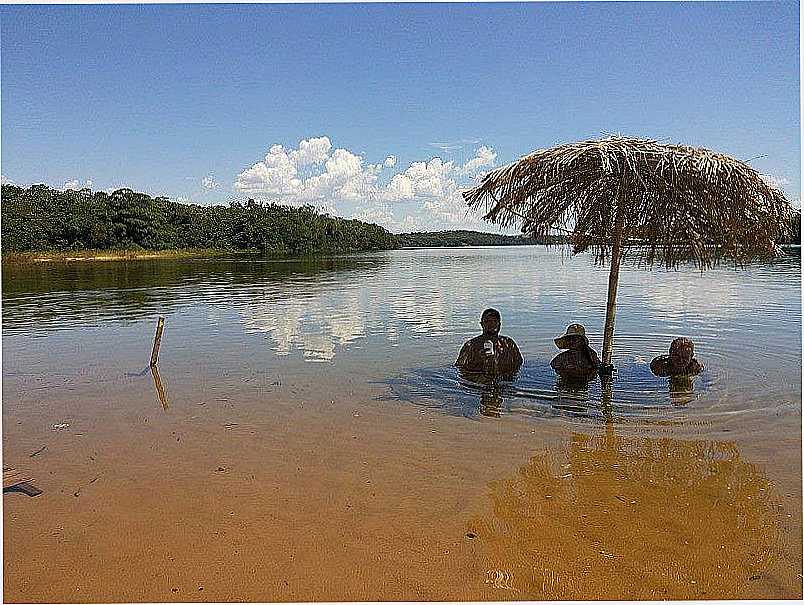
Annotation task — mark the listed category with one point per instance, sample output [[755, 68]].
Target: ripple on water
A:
[[635, 395]]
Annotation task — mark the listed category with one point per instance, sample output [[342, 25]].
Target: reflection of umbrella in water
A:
[[623, 197], [637, 518]]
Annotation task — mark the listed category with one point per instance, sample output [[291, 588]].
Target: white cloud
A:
[[311, 151], [378, 213], [426, 194], [484, 157], [209, 182], [75, 184], [4, 180], [275, 176]]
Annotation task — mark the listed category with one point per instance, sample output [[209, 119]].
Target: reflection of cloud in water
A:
[[311, 322], [675, 293], [638, 518], [423, 312], [440, 293], [723, 291]]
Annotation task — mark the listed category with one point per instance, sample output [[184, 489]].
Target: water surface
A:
[[308, 432]]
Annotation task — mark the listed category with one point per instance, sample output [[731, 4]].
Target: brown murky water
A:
[[312, 442]]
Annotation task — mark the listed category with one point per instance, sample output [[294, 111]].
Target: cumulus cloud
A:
[[276, 175], [4, 180], [426, 194], [311, 151], [209, 182], [377, 212], [484, 158]]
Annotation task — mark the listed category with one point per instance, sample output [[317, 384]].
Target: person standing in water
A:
[[579, 361], [490, 354]]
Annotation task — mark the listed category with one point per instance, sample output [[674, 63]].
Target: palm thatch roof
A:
[[667, 203]]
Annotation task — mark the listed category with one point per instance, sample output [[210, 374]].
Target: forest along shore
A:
[[42, 224], [67, 224]]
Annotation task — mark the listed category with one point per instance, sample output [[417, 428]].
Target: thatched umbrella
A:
[[632, 197]]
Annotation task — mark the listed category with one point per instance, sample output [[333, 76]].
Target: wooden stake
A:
[[157, 341]]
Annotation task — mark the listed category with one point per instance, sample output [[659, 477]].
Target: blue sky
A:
[[381, 111]]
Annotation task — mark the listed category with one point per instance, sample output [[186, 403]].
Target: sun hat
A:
[[573, 330]]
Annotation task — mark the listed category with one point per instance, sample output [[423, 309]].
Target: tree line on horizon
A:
[[461, 237], [39, 218]]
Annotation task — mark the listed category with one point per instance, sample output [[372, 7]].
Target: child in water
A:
[[680, 362], [579, 361]]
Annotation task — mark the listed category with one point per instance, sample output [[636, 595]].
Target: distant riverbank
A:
[[462, 238], [117, 255], [41, 222]]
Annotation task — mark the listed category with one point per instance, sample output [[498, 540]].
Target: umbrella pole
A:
[[614, 278]]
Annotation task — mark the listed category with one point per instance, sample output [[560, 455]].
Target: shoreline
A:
[[29, 258], [25, 258], [113, 255]]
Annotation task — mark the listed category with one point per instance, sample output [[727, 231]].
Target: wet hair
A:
[[490, 313], [682, 347]]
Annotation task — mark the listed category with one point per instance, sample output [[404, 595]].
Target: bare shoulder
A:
[[508, 340], [474, 342]]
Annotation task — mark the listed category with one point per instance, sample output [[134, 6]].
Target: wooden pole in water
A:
[[157, 341]]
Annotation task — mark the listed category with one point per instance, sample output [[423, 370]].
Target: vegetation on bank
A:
[[40, 223], [450, 239], [41, 219], [453, 239]]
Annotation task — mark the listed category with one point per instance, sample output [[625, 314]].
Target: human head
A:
[[682, 351], [490, 322], [577, 343], [574, 338]]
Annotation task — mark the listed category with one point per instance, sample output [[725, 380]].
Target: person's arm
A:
[[557, 362], [658, 366], [593, 357], [463, 356], [517, 354]]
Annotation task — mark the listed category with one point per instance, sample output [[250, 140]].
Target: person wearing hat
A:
[[490, 354], [579, 361], [680, 362]]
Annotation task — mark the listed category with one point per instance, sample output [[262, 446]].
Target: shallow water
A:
[[351, 449]]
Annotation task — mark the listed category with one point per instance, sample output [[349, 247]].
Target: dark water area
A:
[[636, 395]]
